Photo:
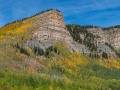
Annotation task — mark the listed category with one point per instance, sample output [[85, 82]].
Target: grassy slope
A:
[[60, 71], [11, 35]]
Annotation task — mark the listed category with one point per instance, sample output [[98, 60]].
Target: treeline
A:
[[104, 28], [88, 40], [90, 26], [46, 11], [37, 50], [117, 26], [46, 52], [20, 20]]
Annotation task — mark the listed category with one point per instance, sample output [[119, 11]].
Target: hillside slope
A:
[[39, 53], [64, 71]]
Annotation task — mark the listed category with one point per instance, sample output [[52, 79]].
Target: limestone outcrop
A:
[[50, 28], [110, 36], [113, 37]]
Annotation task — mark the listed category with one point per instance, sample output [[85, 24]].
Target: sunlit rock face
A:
[[113, 37], [50, 28], [98, 32], [101, 39]]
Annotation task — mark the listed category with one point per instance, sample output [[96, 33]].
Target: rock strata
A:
[[50, 29]]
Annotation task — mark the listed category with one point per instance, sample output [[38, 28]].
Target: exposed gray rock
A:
[[113, 37], [50, 29]]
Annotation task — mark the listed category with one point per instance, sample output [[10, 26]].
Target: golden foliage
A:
[[66, 79], [74, 60], [110, 63], [51, 88], [15, 28], [69, 64]]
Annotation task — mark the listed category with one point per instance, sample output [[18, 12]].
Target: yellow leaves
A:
[[74, 60], [29, 20], [1, 53], [66, 79], [16, 28], [30, 51], [97, 80], [70, 71], [94, 78], [110, 63], [70, 63], [51, 88], [1, 37]]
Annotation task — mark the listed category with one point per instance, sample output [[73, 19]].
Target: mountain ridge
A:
[[42, 53], [52, 21], [113, 26]]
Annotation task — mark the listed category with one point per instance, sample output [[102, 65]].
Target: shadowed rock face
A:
[[50, 28]]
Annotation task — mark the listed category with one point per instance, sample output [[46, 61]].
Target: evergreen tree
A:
[[104, 55]]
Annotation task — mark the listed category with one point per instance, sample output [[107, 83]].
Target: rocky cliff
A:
[[113, 37], [109, 35], [101, 39], [50, 28]]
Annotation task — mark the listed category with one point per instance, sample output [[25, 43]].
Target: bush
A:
[[104, 55], [38, 51], [22, 50]]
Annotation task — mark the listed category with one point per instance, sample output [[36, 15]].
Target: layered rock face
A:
[[113, 37], [98, 32], [50, 28], [101, 39]]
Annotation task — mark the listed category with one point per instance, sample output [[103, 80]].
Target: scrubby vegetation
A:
[[56, 68], [46, 52], [87, 38], [65, 71], [82, 36]]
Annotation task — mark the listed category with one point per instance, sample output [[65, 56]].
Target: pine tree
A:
[[104, 55]]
